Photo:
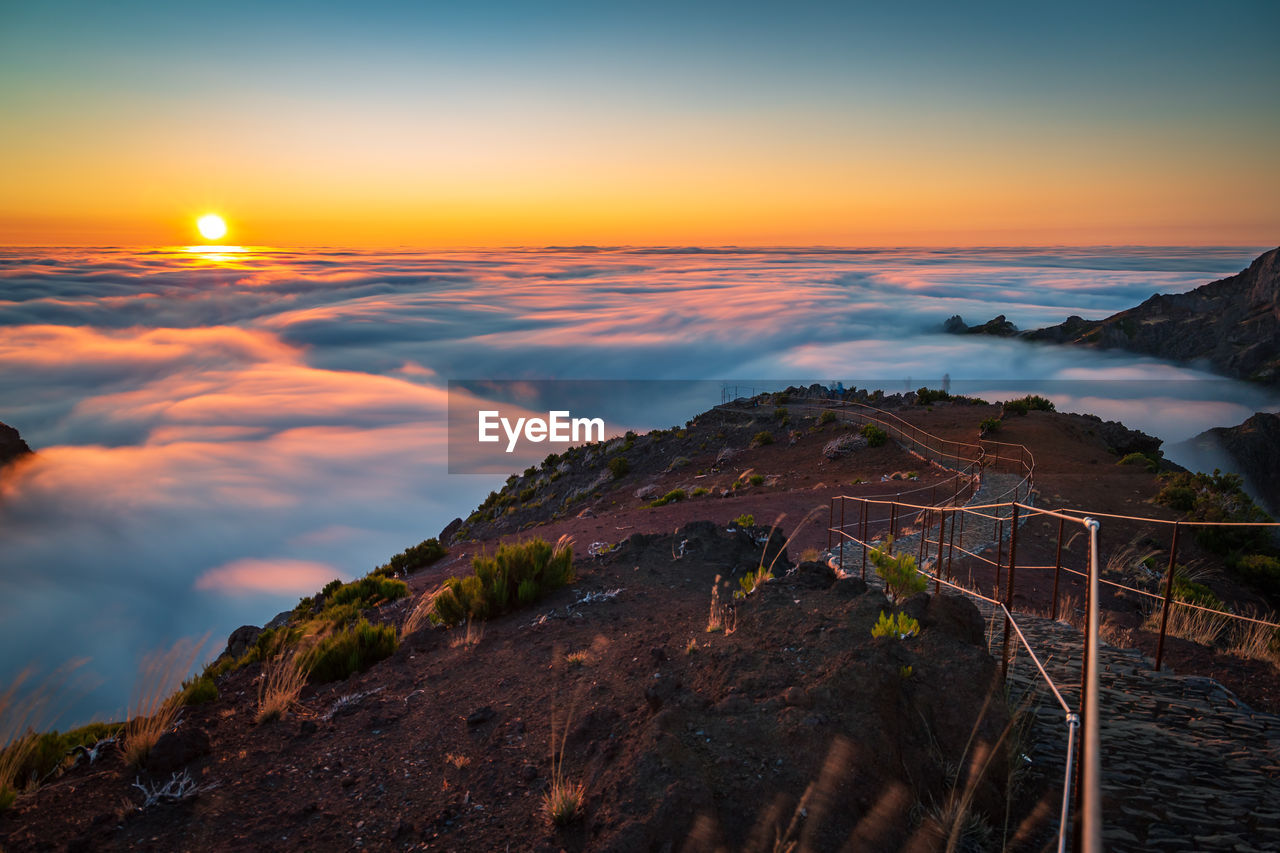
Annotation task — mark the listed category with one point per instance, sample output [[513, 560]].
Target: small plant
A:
[[874, 435], [516, 575], [762, 438], [1029, 403], [413, 558], [619, 467], [468, 638], [723, 617], [562, 802], [899, 626], [905, 672], [699, 492], [899, 573], [691, 646], [810, 555], [456, 760], [751, 581], [989, 425], [925, 396], [670, 497], [745, 521], [283, 677], [827, 417], [576, 659], [199, 690], [756, 479]]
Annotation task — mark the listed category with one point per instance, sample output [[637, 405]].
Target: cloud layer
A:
[[221, 433]]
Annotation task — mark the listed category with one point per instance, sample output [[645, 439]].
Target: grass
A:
[[756, 479], [752, 581], [518, 574], [810, 555], [1189, 623], [420, 616], [18, 712], [670, 497], [156, 703], [456, 760], [467, 638], [1257, 642], [577, 659], [413, 558], [562, 802], [723, 617], [762, 438], [283, 677]]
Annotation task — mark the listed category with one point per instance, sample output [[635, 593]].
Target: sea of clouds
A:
[[220, 433]]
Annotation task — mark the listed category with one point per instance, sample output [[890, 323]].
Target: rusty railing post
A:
[[864, 539], [999, 550], [1057, 571], [842, 537], [893, 524], [1168, 596], [831, 520], [923, 517], [951, 545], [937, 566], [1008, 598]]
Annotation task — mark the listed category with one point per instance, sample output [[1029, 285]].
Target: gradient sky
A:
[[436, 125]]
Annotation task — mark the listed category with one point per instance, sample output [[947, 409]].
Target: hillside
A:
[[789, 722]]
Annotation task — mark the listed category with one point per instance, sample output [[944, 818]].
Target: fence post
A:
[[1057, 570], [864, 539], [1008, 598], [937, 566], [951, 545], [893, 524], [831, 520], [842, 503], [999, 550], [1168, 596], [923, 515]]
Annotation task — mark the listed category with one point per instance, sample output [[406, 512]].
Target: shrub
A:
[[1185, 589], [1217, 497], [874, 435], [898, 627], [526, 495], [751, 581], [924, 396], [756, 479], [365, 593], [989, 425], [354, 649], [515, 575], [745, 520], [37, 756], [1029, 403], [827, 417], [1260, 570], [413, 558], [899, 573], [199, 690], [780, 414], [670, 497], [699, 492], [1146, 460], [762, 438]]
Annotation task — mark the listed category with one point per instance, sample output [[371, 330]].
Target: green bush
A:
[[899, 573], [354, 649], [751, 581], [619, 467], [762, 438], [366, 592], [515, 575], [50, 750], [699, 492], [925, 397], [827, 417], [1029, 403], [874, 435], [199, 690], [898, 627], [670, 497], [413, 558], [989, 425], [780, 414], [526, 495], [1146, 460], [756, 479], [745, 520], [1260, 570]]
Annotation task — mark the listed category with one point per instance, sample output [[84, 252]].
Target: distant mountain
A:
[[1233, 325], [11, 445], [1251, 449]]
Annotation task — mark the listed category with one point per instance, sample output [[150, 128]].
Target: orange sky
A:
[[782, 133]]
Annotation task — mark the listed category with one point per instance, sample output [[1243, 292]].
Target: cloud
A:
[[279, 576]]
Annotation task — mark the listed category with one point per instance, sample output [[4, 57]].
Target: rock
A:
[[645, 493], [450, 529], [795, 697], [480, 716], [240, 641], [812, 575], [1251, 449], [849, 587], [955, 325], [997, 326], [278, 620], [1232, 324], [176, 749], [916, 605], [11, 445], [956, 615], [843, 445]]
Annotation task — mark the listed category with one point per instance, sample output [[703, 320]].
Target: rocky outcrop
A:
[[997, 326], [1251, 450], [1232, 325], [11, 445]]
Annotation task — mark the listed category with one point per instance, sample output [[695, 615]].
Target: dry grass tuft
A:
[[467, 638], [18, 713], [576, 659], [157, 697], [810, 555], [420, 616], [457, 760], [1190, 623], [1252, 641], [283, 677], [723, 617], [562, 802]]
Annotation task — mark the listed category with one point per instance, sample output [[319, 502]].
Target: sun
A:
[[211, 226]]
